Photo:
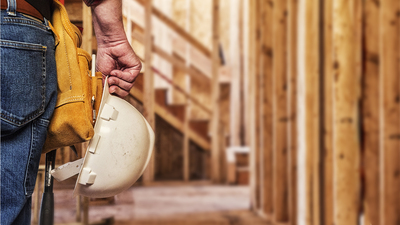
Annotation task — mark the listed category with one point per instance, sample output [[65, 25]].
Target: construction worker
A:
[[29, 88]]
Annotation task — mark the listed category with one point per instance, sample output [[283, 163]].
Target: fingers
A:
[[115, 90], [121, 82], [122, 79]]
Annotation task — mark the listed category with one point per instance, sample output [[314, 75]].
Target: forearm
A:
[[115, 56], [107, 22]]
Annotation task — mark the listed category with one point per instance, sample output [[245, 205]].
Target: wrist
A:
[[107, 22]]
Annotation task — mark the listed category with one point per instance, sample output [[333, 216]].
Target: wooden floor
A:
[[243, 217], [173, 204]]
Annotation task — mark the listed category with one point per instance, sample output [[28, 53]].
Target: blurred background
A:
[[265, 112]]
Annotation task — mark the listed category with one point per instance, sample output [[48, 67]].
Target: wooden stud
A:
[[186, 144], [257, 106], [266, 160], [235, 73], [292, 104], [346, 64], [308, 113], [85, 209], [88, 28], [389, 112], [312, 101], [370, 112], [148, 86], [215, 129], [280, 113], [186, 141], [78, 214], [242, 73], [327, 135], [250, 56], [302, 178], [37, 196]]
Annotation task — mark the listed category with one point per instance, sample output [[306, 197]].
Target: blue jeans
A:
[[28, 98]]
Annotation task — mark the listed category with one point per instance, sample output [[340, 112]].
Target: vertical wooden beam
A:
[[292, 108], [215, 92], [128, 27], [186, 141], [370, 112], [85, 209], [346, 42], [257, 106], [235, 84], [78, 214], [267, 110], [235, 73], [148, 84], [302, 176], [186, 147], [313, 134], [308, 114], [242, 80], [327, 135], [280, 114], [182, 79], [390, 111], [88, 28], [250, 56]]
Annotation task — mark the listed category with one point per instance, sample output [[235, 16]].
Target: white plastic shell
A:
[[118, 153]]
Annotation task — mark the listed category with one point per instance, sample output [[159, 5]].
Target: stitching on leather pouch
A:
[[66, 55], [71, 99], [66, 22]]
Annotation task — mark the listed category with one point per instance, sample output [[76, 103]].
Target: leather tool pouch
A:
[[79, 93]]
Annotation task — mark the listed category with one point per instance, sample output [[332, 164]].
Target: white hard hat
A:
[[117, 154]]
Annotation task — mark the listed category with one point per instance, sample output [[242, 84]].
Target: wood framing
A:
[[186, 144], [215, 92], [327, 101], [179, 30], [88, 28], [148, 85], [347, 62], [389, 112], [266, 156], [173, 121], [370, 112], [313, 121], [235, 63], [292, 109], [250, 73], [257, 106], [308, 113], [280, 113]]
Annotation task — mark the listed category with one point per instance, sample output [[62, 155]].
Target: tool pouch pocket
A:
[[79, 92]]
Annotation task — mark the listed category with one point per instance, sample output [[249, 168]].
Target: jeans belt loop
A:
[[12, 7]]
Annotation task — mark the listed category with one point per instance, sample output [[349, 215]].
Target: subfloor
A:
[[194, 204]]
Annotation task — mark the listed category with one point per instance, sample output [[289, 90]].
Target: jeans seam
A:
[[25, 46], [44, 78], [32, 148], [24, 21]]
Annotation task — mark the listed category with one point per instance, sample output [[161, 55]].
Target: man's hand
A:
[[121, 63], [115, 57]]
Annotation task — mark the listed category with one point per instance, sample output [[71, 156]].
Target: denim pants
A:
[[28, 98]]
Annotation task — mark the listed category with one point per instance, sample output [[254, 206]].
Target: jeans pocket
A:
[[23, 77]]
